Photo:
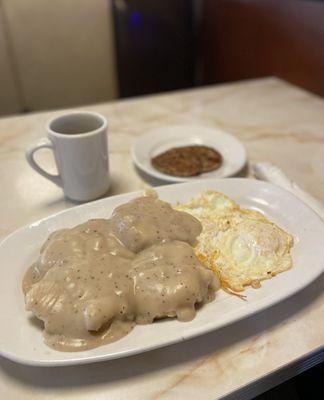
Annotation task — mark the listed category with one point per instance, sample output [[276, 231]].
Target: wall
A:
[[247, 39], [63, 53], [9, 99]]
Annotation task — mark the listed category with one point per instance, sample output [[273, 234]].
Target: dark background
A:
[[171, 44], [156, 45]]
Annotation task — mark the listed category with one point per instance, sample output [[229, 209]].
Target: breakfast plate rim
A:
[[254, 308]]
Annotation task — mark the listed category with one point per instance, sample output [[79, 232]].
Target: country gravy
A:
[[91, 284]]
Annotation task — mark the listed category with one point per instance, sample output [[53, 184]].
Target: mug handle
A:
[[42, 143]]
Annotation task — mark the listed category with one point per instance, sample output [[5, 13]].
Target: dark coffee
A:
[[75, 124]]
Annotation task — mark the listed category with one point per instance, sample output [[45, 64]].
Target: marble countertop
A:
[[276, 122]]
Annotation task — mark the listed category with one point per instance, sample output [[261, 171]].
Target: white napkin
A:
[[271, 173]]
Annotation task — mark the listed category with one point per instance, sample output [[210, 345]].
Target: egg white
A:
[[241, 246]]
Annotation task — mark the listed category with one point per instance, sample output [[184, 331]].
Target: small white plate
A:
[[22, 341], [162, 139]]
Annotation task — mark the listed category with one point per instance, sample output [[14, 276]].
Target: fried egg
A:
[[241, 246]]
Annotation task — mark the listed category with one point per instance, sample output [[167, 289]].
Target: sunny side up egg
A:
[[241, 246]]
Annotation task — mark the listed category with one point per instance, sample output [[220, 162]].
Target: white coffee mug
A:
[[79, 143]]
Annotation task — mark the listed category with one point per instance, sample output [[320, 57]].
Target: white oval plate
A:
[[162, 139], [21, 340]]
